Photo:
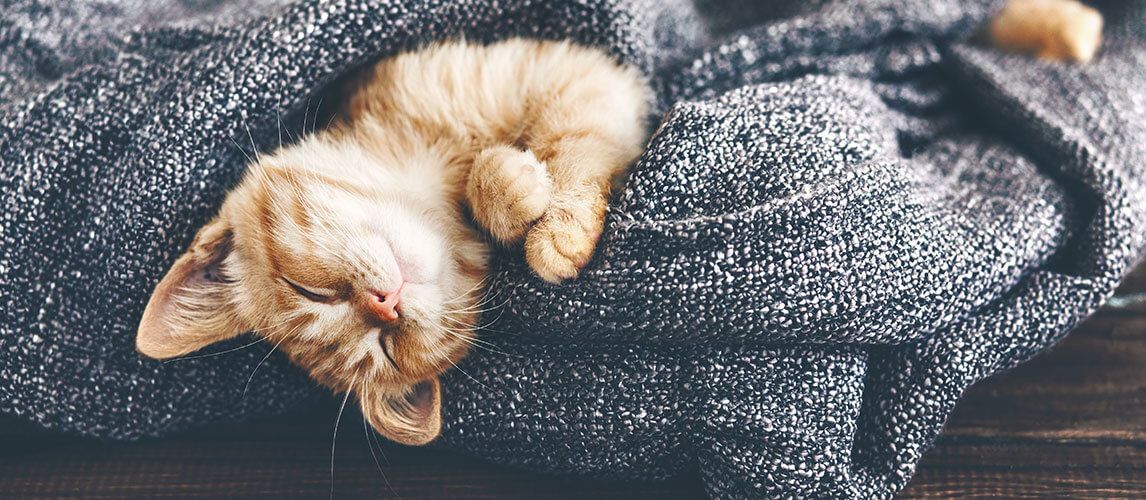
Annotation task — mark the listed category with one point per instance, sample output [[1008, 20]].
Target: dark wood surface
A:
[[1071, 423]]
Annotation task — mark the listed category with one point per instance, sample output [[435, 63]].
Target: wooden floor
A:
[[1071, 423]]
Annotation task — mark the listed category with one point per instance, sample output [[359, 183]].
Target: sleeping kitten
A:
[[351, 251]]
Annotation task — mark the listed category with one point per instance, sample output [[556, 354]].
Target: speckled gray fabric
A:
[[845, 218]]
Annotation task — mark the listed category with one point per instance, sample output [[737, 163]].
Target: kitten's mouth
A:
[[386, 341]]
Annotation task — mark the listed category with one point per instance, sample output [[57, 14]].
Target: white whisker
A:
[[314, 119], [265, 358], [476, 342], [241, 150], [252, 139], [334, 440], [370, 441], [201, 356], [469, 376]]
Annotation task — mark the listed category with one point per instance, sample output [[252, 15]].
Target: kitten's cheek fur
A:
[[413, 419]]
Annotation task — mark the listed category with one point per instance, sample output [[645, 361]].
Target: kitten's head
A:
[[364, 273]]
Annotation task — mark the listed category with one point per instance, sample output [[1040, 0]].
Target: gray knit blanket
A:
[[847, 215]]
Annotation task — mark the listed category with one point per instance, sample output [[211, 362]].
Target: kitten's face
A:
[[365, 274]]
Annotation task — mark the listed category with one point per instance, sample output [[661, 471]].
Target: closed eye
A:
[[317, 295]]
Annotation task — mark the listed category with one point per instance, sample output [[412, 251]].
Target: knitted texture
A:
[[845, 218]]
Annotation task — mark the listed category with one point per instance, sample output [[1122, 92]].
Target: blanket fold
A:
[[846, 216]]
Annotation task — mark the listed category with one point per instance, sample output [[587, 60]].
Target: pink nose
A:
[[385, 305]]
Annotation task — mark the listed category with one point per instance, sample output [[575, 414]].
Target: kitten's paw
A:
[[508, 191], [562, 242]]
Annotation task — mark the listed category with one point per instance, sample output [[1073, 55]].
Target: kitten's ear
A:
[[189, 308], [414, 419]]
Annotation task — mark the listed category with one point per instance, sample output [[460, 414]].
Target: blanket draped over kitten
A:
[[351, 250], [844, 217]]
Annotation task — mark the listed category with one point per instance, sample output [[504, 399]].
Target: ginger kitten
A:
[[352, 250]]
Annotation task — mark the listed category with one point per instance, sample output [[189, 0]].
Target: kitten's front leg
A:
[[512, 196], [562, 242], [582, 162], [1063, 30]]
